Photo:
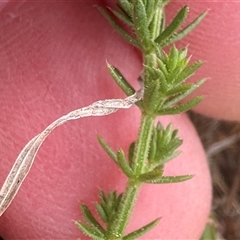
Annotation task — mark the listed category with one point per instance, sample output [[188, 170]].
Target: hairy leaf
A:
[[123, 164], [151, 176], [90, 232], [183, 95], [101, 212], [173, 26], [187, 72], [119, 29], [181, 108], [180, 35], [170, 179], [124, 18], [126, 7], [120, 80], [131, 153], [91, 219], [141, 24], [107, 148], [141, 231]]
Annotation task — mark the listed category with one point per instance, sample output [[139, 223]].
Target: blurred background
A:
[[221, 140]]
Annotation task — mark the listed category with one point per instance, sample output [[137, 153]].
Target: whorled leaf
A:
[[153, 147], [101, 212], [121, 80], [169, 179], [108, 205], [131, 154], [107, 148], [151, 176], [178, 90], [141, 231], [123, 17], [184, 94], [94, 224], [126, 7], [163, 145], [152, 97], [123, 164], [180, 108], [173, 59], [183, 33], [186, 73], [173, 26], [141, 25], [119, 29], [90, 232]]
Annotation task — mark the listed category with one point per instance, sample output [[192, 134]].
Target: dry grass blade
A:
[[26, 157]]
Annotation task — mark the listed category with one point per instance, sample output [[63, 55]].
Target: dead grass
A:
[[222, 143]]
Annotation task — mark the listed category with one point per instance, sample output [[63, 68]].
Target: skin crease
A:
[[53, 61]]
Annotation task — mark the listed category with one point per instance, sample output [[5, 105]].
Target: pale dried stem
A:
[[26, 157]]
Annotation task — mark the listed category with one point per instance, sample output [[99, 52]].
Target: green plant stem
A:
[[133, 185], [142, 143], [117, 229]]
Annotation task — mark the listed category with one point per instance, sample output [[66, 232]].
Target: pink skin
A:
[[53, 61]]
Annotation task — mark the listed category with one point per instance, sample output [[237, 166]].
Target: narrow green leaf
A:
[[151, 176], [170, 179], [126, 7], [122, 17], [162, 67], [156, 20], [120, 80], [187, 72], [107, 148], [153, 146], [153, 74], [123, 164], [183, 53], [160, 127], [173, 59], [181, 108], [131, 153], [91, 219], [186, 30], [162, 23], [167, 134], [108, 207], [166, 151], [101, 212], [141, 24], [150, 10], [172, 75], [141, 231], [183, 95], [173, 26], [119, 198], [169, 157], [119, 29], [179, 89], [124, 212], [163, 80], [89, 231], [152, 97], [165, 2], [210, 231], [103, 197]]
